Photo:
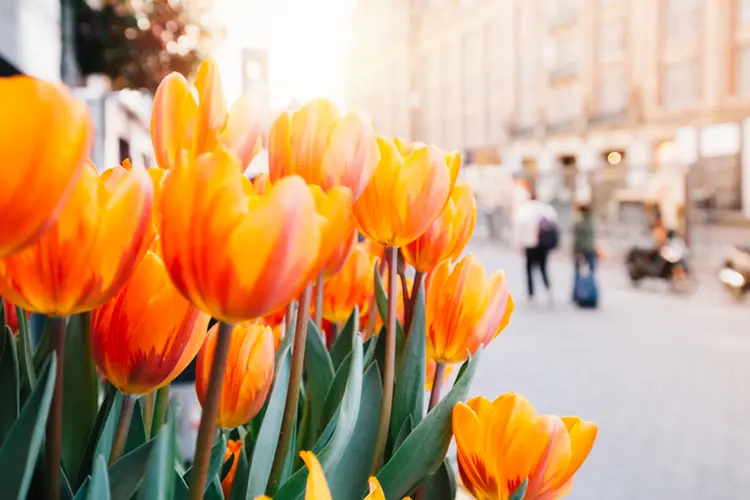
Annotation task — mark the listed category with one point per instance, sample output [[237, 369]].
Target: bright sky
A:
[[307, 42]]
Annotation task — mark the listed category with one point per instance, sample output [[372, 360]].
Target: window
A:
[[682, 18], [611, 40], [612, 95], [681, 84]]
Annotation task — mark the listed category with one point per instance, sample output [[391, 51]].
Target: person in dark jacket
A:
[[584, 241]]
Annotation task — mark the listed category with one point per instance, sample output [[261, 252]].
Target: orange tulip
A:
[[338, 233], [352, 286], [323, 148], [447, 237], [148, 333], [45, 136], [503, 443], [248, 375], [233, 256], [406, 193], [430, 374], [234, 447], [180, 122], [91, 250], [570, 442], [464, 309]]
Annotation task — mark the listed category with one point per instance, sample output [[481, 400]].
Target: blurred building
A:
[[30, 38], [566, 88]]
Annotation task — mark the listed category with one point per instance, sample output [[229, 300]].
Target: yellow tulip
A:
[[323, 148], [504, 443], [406, 193], [234, 256], [447, 237], [464, 309]]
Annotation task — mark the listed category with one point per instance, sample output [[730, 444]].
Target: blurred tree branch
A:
[[136, 43]]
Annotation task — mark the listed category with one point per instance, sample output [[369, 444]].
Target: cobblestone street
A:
[[666, 378]]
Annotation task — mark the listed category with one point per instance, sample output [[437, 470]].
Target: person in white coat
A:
[[536, 235]]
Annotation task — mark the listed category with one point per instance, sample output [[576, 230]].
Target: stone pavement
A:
[[666, 378]]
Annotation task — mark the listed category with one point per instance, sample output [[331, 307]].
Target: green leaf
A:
[[408, 396], [137, 431], [218, 450], [26, 359], [127, 474], [442, 484], [369, 347], [81, 394], [423, 451], [520, 491], [333, 454], [107, 435], [96, 431], [23, 442], [241, 476], [319, 374], [181, 491], [288, 340], [403, 433], [336, 391], [159, 481], [348, 478], [10, 382], [98, 487], [342, 346], [39, 329], [381, 298], [213, 490], [268, 435], [325, 436], [291, 457], [83, 491], [66, 492]]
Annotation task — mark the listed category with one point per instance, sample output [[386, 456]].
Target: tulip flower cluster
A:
[[312, 378]]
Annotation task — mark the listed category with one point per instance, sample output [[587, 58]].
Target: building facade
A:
[[564, 88]]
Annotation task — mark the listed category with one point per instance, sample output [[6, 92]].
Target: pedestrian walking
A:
[[537, 233], [584, 254]]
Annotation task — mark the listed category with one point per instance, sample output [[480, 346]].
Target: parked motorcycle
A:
[[735, 273], [670, 262]]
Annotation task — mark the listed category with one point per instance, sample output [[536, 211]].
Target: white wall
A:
[[30, 36]]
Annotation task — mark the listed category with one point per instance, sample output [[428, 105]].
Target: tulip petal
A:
[[352, 154], [475, 473], [311, 127], [376, 492], [173, 118], [38, 170], [243, 132], [279, 148], [317, 486], [212, 108]]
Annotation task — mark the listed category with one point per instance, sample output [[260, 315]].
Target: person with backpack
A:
[[584, 253], [537, 233]]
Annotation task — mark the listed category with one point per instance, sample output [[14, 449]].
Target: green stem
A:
[[148, 413], [54, 419], [319, 301], [123, 427], [28, 356], [160, 409], [437, 385], [372, 319], [389, 368], [409, 310], [295, 382], [207, 429]]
